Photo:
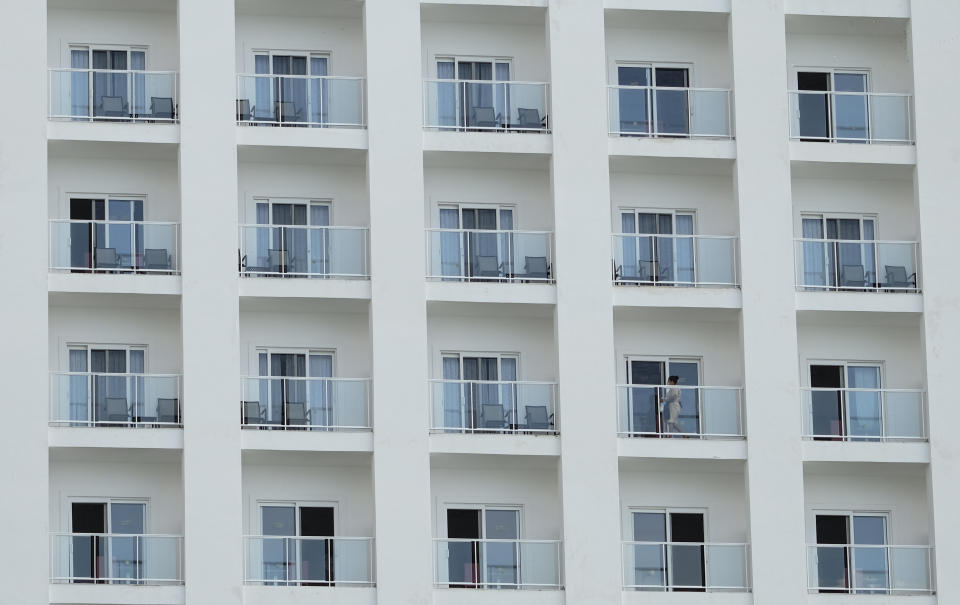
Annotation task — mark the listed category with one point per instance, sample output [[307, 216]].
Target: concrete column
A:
[[584, 315], [210, 308], [768, 322], [938, 202], [401, 460], [24, 563]]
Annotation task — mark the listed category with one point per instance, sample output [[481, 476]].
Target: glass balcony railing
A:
[[680, 411], [650, 111], [114, 246], [295, 251], [113, 95], [129, 559], [486, 105], [851, 117], [479, 406], [516, 564], [119, 400], [685, 567], [289, 100], [308, 561], [319, 404], [489, 255], [864, 414], [675, 260], [870, 569], [857, 265]]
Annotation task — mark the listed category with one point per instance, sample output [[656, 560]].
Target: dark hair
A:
[[674, 379]]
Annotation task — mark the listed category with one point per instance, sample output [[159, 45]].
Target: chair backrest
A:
[[296, 412], [537, 417], [536, 266], [487, 266], [161, 107], [492, 415], [896, 274], [286, 110], [278, 258], [167, 410], [117, 409], [156, 258], [484, 116], [251, 412], [111, 104], [645, 270], [243, 109], [852, 274], [529, 117], [107, 257]]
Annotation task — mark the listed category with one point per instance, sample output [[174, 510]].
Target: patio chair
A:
[[162, 108], [168, 410], [156, 259], [484, 117], [897, 277], [106, 258], [535, 268], [853, 276], [492, 416], [529, 119], [112, 107]]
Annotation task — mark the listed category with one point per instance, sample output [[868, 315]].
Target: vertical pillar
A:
[[398, 320], [935, 45], [23, 304], [584, 315], [768, 321], [210, 308]]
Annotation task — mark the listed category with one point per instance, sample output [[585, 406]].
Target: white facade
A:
[[443, 257]]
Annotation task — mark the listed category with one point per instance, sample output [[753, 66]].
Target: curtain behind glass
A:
[[864, 406], [685, 249], [80, 83], [452, 401], [814, 258], [629, 245], [263, 103], [140, 103], [319, 239], [446, 94], [79, 385], [502, 94], [321, 391], [319, 91], [450, 252]]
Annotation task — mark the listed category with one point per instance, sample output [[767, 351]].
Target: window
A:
[[472, 561], [111, 88], [297, 545], [649, 106], [851, 553], [659, 248], [108, 541], [106, 386], [480, 391], [478, 96], [299, 93], [841, 109], [668, 550], [839, 407], [294, 389], [839, 251], [476, 241], [108, 233], [298, 241], [656, 408]]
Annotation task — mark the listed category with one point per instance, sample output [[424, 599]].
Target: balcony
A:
[[864, 415], [89, 399], [295, 251], [703, 413], [851, 117], [306, 404], [831, 265], [685, 567], [139, 247], [308, 561], [479, 406], [495, 256], [516, 564], [669, 112], [127, 559], [300, 100], [870, 569], [675, 260], [101, 95], [486, 106]]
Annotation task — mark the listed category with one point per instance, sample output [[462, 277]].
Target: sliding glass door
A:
[[478, 392], [830, 262], [467, 251], [482, 547], [478, 94], [101, 387], [661, 249], [297, 243], [652, 107], [669, 552], [294, 551], [846, 400], [117, 556], [110, 89], [297, 391], [648, 414], [833, 105]]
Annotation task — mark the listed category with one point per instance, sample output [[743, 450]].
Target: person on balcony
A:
[[671, 401]]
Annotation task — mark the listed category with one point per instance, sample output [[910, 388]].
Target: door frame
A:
[[796, 69]]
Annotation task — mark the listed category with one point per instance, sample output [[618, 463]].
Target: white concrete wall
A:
[[347, 335], [500, 32], [317, 479], [156, 328], [339, 36], [869, 488], [699, 39], [159, 482], [153, 179], [534, 490], [155, 29], [879, 46]]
